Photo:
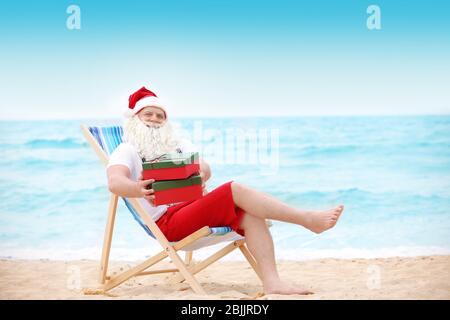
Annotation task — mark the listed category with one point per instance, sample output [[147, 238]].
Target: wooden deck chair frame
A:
[[185, 270]]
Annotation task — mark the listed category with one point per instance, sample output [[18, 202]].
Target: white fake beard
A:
[[151, 141]]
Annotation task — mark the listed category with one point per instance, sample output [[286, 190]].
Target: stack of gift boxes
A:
[[176, 177]]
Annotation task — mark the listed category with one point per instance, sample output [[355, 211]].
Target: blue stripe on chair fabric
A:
[[105, 134], [96, 133], [217, 231], [137, 217], [112, 137], [109, 139]]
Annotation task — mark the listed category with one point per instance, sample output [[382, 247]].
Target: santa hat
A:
[[141, 99]]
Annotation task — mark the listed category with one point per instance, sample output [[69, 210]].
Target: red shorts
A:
[[216, 209]]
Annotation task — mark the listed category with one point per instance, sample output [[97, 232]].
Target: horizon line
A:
[[242, 117]]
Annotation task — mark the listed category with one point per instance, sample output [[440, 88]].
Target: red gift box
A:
[[171, 166], [173, 191]]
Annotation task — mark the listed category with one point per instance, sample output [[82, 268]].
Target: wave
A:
[[76, 194], [137, 254], [354, 253], [330, 149], [358, 194], [42, 205], [48, 165], [67, 143]]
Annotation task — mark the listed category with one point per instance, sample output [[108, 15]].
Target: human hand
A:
[[143, 191], [202, 175]]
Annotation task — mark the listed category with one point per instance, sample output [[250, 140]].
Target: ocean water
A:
[[391, 173]]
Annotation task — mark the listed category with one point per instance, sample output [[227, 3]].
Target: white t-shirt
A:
[[127, 155]]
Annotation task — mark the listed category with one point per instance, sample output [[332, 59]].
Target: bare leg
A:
[[260, 244], [264, 206]]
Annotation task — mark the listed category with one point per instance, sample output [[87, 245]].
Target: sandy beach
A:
[[426, 277]]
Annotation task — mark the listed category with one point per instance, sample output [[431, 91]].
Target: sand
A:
[[426, 277]]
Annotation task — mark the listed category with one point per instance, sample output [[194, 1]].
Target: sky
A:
[[224, 58]]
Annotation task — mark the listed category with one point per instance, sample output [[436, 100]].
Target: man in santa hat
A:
[[148, 134]]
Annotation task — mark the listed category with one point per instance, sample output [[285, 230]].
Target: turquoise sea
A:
[[391, 173]]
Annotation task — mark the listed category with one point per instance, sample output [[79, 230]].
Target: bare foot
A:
[[283, 288], [319, 221]]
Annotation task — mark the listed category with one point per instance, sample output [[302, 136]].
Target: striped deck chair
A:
[[104, 140]]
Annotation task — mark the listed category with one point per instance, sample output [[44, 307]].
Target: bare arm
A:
[[119, 183], [205, 174], [205, 170]]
